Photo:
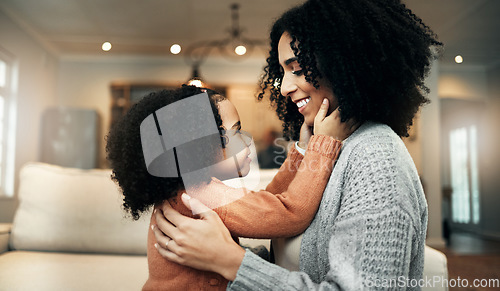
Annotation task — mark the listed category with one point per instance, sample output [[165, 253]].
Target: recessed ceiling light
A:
[[459, 59], [175, 49], [240, 50], [106, 46]]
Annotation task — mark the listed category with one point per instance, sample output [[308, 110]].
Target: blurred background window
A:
[[6, 124], [464, 175]]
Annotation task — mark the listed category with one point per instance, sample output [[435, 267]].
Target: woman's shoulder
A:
[[377, 153], [379, 173], [370, 132], [372, 140]]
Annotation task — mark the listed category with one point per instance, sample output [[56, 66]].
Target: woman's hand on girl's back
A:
[[203, 244], [331, 125]]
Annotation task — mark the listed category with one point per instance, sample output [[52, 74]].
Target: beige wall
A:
[[463, 82], [430, 174], [36, 69], [490, 166]]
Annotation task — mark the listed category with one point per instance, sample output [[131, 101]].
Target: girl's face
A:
[[237, 148], [294, 85]]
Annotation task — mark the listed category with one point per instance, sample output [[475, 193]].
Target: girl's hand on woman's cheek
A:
[[331, 125]]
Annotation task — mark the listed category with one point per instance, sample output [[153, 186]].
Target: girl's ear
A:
[[224, 140]]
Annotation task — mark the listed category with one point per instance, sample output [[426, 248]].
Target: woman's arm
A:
[[358, 258], [364, 249]]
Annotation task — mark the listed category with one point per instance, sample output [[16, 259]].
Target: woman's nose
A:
[[288, 86]]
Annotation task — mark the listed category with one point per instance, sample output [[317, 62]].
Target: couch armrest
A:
[[4, 236], [436, 269]]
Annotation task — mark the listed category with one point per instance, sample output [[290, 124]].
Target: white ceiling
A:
[[149, 27]]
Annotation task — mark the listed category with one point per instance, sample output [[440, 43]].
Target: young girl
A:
[[284, 209]]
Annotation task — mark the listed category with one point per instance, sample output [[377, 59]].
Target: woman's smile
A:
[[302, 103]]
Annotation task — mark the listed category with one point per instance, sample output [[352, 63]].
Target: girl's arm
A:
[[286, 172], [264, 214], [289, 168]]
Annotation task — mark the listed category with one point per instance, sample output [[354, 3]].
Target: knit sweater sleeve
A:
[[371, 241], [359, 261], [286, 207]]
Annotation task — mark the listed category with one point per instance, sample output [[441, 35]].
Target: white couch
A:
[[70, 233]]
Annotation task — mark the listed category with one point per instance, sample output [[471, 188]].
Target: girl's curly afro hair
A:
[[374, 53], [124, 151]]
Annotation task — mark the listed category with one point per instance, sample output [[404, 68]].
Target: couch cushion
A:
[[54, 271], [74, 210]]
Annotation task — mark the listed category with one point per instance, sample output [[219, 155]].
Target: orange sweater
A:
[[284, 209]]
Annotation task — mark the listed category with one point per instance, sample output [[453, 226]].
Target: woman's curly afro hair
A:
[[124, 151], [374, 53]]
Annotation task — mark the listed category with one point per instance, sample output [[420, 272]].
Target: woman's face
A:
[[294, 85], [237, 147]]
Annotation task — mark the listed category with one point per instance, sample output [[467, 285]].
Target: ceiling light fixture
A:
[[459, 59], [195, 79], [240, 50], [175, 49], [235, 47], [106, 46]]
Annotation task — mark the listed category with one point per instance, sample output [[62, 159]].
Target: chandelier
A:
[[235, 47]]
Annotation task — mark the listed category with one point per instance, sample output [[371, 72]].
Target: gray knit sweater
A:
[[369, 231]]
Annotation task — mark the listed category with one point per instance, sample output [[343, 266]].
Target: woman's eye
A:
[[298, 72]]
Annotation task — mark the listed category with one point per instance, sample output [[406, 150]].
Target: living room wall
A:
[[491, 172], [36, 68]]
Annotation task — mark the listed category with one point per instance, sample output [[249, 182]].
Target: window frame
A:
[[8, 122]]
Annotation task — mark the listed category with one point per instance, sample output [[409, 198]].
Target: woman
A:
[[281, 210], [370, 57]]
